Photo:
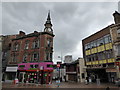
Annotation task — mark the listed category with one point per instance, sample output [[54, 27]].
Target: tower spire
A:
[[48, 18]]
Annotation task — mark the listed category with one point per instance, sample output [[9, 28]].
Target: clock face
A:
[[49, 29]]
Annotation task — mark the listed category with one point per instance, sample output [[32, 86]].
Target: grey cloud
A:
[[71, 21]]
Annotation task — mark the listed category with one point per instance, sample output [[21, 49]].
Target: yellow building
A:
[[99, 55]]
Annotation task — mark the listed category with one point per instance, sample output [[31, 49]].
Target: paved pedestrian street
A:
[[62, 85]]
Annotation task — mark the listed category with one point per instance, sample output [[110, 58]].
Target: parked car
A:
[[117, 82]]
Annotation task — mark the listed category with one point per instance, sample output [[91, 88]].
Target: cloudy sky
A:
[[71, 21]]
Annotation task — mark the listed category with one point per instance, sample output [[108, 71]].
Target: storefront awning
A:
[[11, 69]]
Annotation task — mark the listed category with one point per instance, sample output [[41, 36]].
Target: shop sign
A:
[[111, 70]]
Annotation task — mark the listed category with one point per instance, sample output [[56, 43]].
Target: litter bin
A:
[[98, 81]]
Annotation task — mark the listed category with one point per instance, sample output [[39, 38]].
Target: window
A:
[[85, 46], [14, 59], [16, 47], [101, 41], [49, 66], [34, 66], [107, 39], [47, 56], [35, 57], [22, 66], [118, 31], [25, 57], [94, 43], [36, 44], [50, 56], [118, 50], [26, 45], [88, 45], [98, 42]]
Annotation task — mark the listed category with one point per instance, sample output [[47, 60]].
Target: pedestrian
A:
[[107, 88]]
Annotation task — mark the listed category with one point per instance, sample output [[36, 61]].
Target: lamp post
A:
[[37, 76]]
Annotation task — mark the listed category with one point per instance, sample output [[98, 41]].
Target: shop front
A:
[[10, 73], [35, 72]]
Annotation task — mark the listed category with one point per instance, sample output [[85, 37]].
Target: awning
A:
[[11, 69]]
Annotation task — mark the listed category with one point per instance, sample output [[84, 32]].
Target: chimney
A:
[[21, 33], [116, 17], [35, 32]]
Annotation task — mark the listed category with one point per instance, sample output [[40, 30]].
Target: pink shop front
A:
[[40, 73]]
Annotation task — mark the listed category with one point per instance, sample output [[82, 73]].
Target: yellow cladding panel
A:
[[100, 62], [95, 50], [113, 60], [93, 62], [99, 49], [107, 46], [110, 45], [90, 63], [102, 48], [104, 61], [87, 63], [96, 62], [92, 51], [109, 60], [86, 53]]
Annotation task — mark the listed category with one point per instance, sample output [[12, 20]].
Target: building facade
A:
[[115, 34], [6, 42], [68, 59], [28, 51], [99, 56]]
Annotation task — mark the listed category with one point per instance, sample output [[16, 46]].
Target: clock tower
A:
[[48, 25]]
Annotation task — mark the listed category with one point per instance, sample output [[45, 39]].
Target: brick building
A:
[[36, 47], [99, 56], [5, 52]]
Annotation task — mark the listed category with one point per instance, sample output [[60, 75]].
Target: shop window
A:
[[34, 66], [83, 75], [49, 66], [22, 66]]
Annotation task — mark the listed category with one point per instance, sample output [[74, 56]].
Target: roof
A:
[[33, 35]]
